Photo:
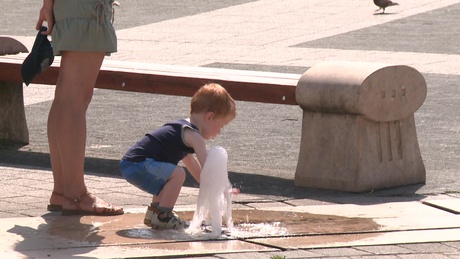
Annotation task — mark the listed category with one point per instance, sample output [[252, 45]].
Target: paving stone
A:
[[424, 256], [385, 249], [292, 254], [340, 252], [427, 247]]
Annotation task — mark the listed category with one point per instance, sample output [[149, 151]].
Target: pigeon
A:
[[384, 4]]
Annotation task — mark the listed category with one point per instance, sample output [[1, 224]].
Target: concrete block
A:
[[13, 125], [9, 46], [358, 127]]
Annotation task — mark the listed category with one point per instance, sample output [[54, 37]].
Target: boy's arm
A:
[[197, 142], [193, 166]]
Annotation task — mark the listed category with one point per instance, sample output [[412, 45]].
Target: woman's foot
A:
[[56, 201], [88, 204]]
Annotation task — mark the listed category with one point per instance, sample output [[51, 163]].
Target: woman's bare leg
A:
[[67, 125]]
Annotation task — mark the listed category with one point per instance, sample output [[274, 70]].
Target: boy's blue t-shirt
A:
[[165, 144]]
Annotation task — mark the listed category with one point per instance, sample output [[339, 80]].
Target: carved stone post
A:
[[13, 124], [358, 128]]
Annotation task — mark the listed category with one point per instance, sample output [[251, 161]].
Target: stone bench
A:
[[136, 77], [13, 126], [358, 127]]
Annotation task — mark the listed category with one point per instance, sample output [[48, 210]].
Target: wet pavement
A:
[[272, 217], [397, 229]]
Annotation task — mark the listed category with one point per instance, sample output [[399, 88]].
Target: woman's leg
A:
[[67, 126], [57, 197]]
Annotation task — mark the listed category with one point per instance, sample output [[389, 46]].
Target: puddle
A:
[[247, 224], [257, 223], [305, 223], [265, 223]]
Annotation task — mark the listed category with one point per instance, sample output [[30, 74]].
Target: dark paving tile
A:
[[431, 32]]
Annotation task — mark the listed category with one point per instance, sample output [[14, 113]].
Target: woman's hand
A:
[[46, 15]]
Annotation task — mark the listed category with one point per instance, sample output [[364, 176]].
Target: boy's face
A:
[[214, 125]]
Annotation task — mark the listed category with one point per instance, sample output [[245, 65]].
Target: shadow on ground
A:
[[273, 188]]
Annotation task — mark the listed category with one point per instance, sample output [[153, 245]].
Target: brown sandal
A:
[[107, 211], [55, 207]]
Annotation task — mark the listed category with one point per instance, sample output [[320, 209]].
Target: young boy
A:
[[151, 163]]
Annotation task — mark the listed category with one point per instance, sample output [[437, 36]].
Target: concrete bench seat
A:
[[135, 77], [251, 86]]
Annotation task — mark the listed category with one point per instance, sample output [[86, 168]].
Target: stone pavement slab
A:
[[451, 205], [104, 237], [362, 239], [256, 230], [280, 34]]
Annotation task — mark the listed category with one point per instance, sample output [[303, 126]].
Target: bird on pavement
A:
[[382, 4]]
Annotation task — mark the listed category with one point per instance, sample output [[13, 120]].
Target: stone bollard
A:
[[358, 127], [13, 125]]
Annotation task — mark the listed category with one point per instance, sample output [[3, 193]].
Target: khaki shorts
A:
[[83, 25]]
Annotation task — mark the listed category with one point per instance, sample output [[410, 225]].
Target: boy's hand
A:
[[235, 191]]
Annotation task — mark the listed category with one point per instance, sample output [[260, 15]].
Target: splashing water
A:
[[245, 230], [214, 197]]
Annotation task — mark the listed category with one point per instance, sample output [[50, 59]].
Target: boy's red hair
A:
[[213, 98]]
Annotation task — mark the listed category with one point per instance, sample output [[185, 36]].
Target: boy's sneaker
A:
[[149, 215], [171, 221]]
